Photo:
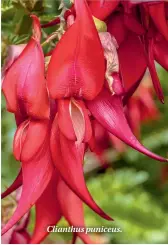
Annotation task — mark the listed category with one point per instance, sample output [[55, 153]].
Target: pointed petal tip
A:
[[114, 116], [107, 217], [74, 156], [36, 27], [14, 186], [34, 17], [162, 100]]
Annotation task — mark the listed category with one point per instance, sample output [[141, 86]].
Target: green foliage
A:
[[135, 211]]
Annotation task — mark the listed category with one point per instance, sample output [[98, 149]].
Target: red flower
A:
[[61, 202], [147, 40], [108, 110], [56, 201], [21, 94], [77, 70], [36, 176]]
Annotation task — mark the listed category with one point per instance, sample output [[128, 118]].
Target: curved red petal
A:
[[36, 27], [158, 15], [24, 222], [77, 66], [108, 110], [153, 72], [161, 52], [25, 82], [20, 118], [29, 139], [36, 176], [75, 113], [9, 91], [48, 211], [68, 159], [12, 54], [131, 67], [64, 119], [72, 209], [78, 120], [21, 237], [19, 139], [31, 84], [102, 11], [14, 186], [116, 27], [51, 23], [117, 85], [35, 139], [74, 237], [88, 127], [8, 87], [133, 25]]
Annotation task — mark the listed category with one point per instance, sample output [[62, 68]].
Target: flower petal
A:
[[21, 237], [75, 113], [20, 117], [78, 120], [153, 72], [29, 139], [19, 139], [88, 127], [116, 27], [131, 68], [36, 28], [132, 89], [133, 25], [68, 159], [158, 15], [72, 209], [108, 110], [161, 52], [48, 211], [25, 82], [15, 185], [13, 53], [36, 176], [77, 66], [64, 119], [31, 84], [102, 11]]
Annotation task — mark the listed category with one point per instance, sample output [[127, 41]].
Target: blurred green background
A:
[[131, 190]]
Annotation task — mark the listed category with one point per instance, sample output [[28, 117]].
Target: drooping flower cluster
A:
[[143, 108], [93, 71]]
